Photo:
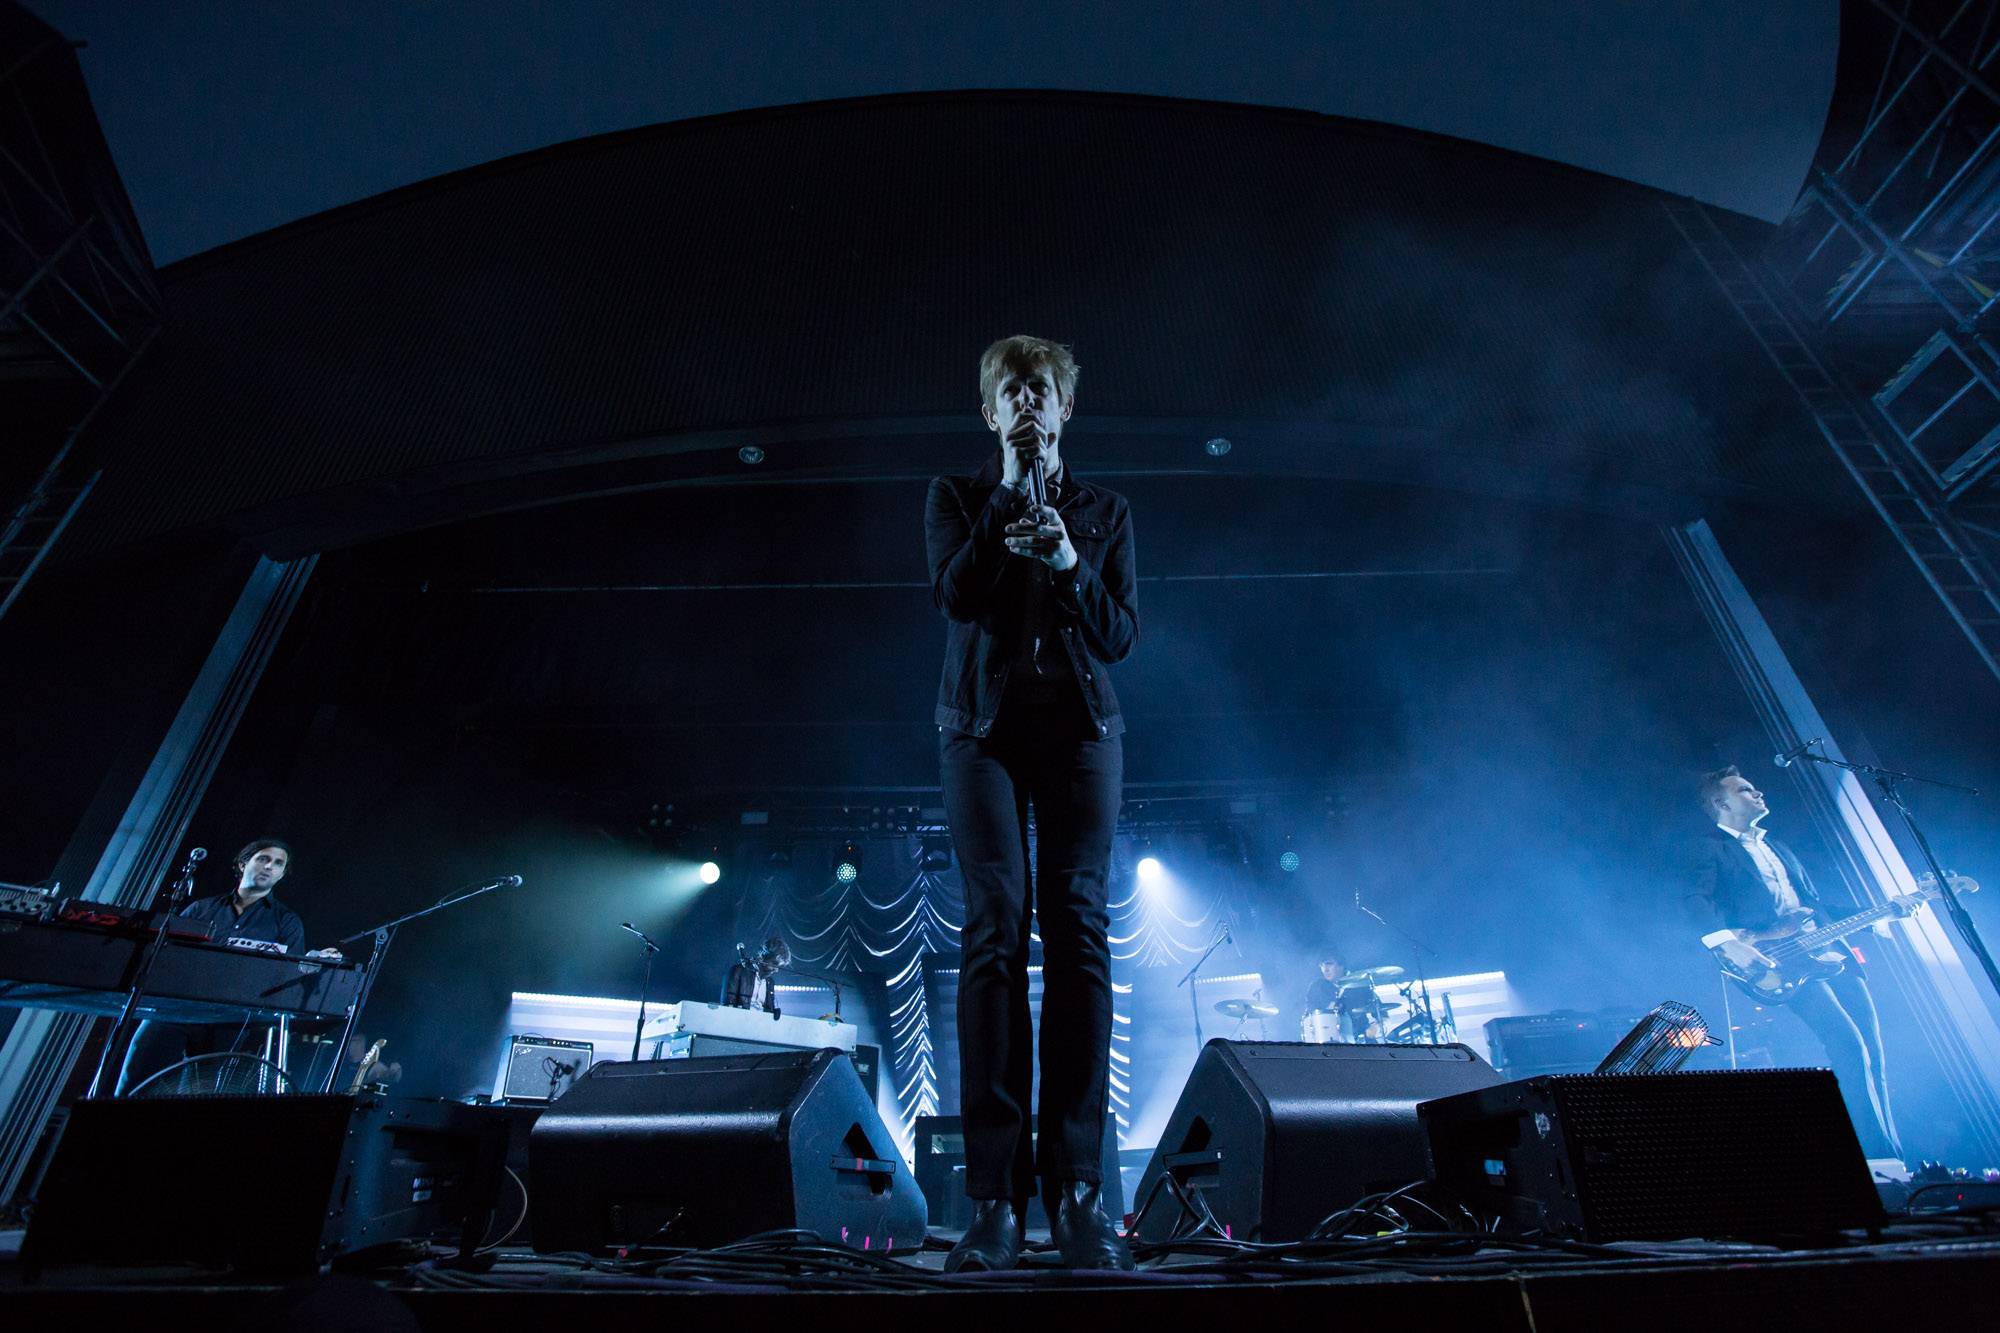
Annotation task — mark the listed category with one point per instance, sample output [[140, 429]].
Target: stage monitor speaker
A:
[[1752, 1154], [705, 1152], [266, 1185], [1273, 1137]]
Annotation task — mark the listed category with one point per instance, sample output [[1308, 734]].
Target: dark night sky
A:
[[228, 118]]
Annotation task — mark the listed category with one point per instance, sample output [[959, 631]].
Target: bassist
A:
[[1746, 881]]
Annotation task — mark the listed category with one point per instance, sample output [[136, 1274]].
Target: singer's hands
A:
[[1040, 534], [1026, 439]]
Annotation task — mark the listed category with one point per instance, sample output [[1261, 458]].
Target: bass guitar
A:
[[1772, 966]]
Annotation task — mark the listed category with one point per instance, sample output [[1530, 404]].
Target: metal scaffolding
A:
[[1875, 301], [78, 304]]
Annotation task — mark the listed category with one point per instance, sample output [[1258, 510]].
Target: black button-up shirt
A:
[[977, 583], [267, 924]]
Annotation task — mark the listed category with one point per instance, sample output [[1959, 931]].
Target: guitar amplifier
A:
[[1567, 1041], [541, 1069], [1753, 1154]]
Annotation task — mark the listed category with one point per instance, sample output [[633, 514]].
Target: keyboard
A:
[[86, 969], [696, 1019]]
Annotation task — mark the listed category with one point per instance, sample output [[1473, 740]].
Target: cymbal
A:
[[1245, 1009], [1368, 976]]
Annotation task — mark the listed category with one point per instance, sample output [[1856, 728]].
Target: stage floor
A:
[[1953, 1271]]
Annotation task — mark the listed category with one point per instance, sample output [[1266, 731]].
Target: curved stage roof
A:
[[1337, 298], [231, 119]]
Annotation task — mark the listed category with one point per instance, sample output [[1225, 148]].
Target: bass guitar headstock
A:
[[1927, 884]]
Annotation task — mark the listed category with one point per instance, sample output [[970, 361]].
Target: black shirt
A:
[[1324, 994], [267, 924], [1041, 681]]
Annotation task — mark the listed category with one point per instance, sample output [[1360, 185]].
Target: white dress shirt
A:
[[1783, 895]]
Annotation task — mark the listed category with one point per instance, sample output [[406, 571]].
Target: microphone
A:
[[1038, 484], [198, 854], [1786, 759], [627, 925], [511, 882]]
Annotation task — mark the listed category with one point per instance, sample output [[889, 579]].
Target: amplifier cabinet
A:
[[1753, 1154], [262, 1184]]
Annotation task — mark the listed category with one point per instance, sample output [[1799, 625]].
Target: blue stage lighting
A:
[[1149, 867], [710, 872], [1288, 862], [847, 872]]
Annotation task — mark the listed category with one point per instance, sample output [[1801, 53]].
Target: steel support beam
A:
[[1959, 1017], [42, 1047]]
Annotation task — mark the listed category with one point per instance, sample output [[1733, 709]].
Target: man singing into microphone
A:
[[1041, 598]]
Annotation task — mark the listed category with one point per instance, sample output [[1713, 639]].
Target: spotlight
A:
[[1288, 861], [1149, 867], [936, 852], [847, 865], [751, 454], [710, 872]]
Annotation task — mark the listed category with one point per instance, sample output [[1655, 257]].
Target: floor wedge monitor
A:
[[708, 1151], [1269, 1138]]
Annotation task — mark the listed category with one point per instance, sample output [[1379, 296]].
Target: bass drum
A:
[[1319, 1028]]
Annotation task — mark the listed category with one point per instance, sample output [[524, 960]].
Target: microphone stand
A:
[[177, 895], [1422, 989], [1222, 937], [384, 935], [1887, 779], [645, 982]]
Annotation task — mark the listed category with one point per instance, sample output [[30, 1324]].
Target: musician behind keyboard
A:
[[247, 917]]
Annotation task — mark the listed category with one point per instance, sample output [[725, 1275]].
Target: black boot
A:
[[1077, 1224], [992, 1244]]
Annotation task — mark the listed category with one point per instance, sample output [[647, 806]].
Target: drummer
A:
[[1352, 997], [1324, 994]]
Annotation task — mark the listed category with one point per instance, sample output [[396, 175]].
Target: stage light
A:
[[710, 872], [1288, 861], [1149, 868], [847, 865]]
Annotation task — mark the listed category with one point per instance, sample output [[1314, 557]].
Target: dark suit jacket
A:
[[1725, 888]]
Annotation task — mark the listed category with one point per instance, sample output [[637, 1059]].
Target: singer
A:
[[247, 917], [1033, 568], [1748, 882]]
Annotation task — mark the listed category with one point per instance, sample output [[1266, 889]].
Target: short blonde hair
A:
[[1710, 792], [1025, 352]]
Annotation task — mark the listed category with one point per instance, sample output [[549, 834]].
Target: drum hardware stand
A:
[[645, 982], [1886, 779], [1420, 1006], [384, 935], [1222, 937], [177, 895]]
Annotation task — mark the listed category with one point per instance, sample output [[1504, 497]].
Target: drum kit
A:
[[1362, 1015]]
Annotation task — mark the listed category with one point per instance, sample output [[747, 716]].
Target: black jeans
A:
[[1074, 785], [1841, 1014]]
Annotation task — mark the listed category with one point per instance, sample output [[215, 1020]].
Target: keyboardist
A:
[[247, 917]]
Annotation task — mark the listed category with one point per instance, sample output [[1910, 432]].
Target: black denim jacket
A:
[[976, 582]]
